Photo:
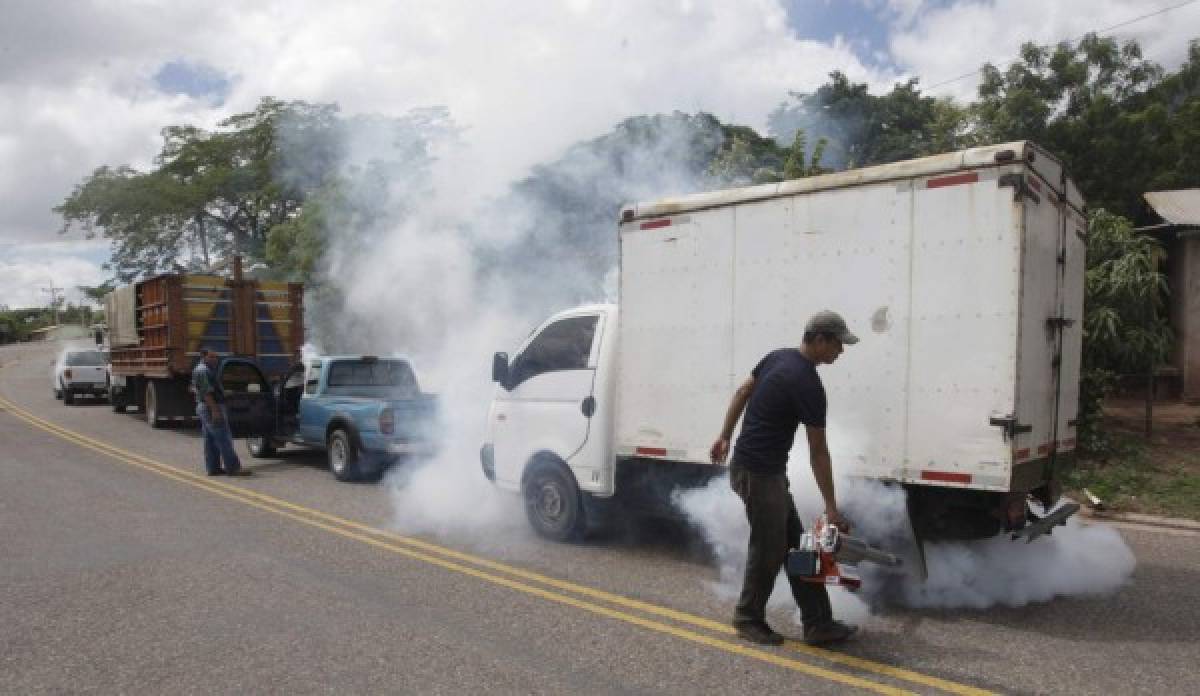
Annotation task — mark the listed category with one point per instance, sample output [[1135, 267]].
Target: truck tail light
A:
[[67, 374], [387, 421]]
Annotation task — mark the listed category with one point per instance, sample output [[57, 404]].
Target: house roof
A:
[[1176, 207]]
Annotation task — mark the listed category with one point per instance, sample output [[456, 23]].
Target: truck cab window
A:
[[564, 345]]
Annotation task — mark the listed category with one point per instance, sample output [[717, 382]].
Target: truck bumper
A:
[[94, 388], [418, 449]]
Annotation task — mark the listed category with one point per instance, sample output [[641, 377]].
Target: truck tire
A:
[[260, 447], [118, 406], [152, 407], [553, 502], [343, 457], [68, 397], [58, 392]]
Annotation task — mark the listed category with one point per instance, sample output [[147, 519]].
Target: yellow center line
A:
[[306, 515]]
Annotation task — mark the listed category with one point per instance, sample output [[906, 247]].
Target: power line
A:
[[1077, 38]]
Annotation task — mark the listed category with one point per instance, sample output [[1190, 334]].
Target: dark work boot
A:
[[829, 632], [757, 632]]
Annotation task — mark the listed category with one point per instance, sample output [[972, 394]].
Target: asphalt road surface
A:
[[124, 569]]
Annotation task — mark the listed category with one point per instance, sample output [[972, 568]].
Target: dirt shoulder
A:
[[1158, 476]]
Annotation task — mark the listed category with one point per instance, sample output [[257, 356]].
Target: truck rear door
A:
[[1051, 297], [248, 398]]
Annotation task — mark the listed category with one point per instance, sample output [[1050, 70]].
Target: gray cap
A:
[[828, 322]]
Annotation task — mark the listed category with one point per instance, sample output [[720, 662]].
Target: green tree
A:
[[862, 129], [210, 194], [798, 164], [1125, 326]]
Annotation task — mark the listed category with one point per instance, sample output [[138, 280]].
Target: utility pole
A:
[[55, 296]]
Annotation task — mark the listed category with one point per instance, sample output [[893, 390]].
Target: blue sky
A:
[[866, 25], [194, 80]]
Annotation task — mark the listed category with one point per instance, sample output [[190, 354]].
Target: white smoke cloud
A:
[[1079, 559], [447, 281]]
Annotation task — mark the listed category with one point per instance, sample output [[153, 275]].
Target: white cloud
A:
[[524, 79], [940, 43], [27, 272]]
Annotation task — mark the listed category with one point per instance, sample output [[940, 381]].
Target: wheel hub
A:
[[550, 502]]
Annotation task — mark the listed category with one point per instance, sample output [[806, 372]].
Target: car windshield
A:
[[85, 358], [374, 377]]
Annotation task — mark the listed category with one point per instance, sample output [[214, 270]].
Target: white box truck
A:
[[962, 273]]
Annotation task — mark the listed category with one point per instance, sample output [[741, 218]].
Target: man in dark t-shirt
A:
[[783, 391]]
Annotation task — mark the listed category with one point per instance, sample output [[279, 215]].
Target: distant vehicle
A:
[[366, 412], [156, 328], [963, 274], [81, 373]]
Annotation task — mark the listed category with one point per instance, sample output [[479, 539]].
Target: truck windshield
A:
[[85, 358], [393, 378]]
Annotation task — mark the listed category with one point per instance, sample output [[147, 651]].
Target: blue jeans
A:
[[218, 442]]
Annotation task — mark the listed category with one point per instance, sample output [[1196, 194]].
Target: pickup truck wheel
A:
[[553, 503], [152, 406], [260, 447], [343, 456]]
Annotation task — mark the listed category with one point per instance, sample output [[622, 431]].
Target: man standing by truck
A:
[[214, 421], [782, 392]]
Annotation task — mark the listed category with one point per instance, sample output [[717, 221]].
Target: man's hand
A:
[[837, 519], [719, 450]]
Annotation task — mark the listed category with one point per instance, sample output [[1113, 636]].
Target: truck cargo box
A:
[[962, 274], [174, 316]]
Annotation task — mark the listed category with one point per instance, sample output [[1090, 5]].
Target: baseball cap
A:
[[828, 322]]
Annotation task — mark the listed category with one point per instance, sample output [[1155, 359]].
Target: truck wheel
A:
[[343, 456], [68, 397], [553, 503], [118, 406], [152, 406], [58, 392], [260, 447]]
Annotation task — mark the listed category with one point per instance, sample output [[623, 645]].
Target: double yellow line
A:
[[590, 599]]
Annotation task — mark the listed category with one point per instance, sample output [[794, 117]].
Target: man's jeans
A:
[[774, 528], [218, 442]]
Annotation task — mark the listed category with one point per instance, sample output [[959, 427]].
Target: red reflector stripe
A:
[[956, 179], [652, 451], [947, 476], [1069, 443], [1044, 449], [1022, 454], [663, 222]]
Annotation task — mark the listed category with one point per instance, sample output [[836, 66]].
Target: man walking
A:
[[214, 420], [782, 392]]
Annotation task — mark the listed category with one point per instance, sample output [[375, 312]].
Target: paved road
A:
[[126, 570]]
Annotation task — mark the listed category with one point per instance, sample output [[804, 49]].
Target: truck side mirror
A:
[[500, 368]]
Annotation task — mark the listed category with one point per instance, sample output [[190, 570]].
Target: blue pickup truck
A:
[[366, 412]]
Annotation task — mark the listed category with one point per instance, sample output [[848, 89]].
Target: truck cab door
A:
[[249, 400], [546, 402], [287, 403], [311, 415]]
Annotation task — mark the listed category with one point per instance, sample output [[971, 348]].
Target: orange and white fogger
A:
[[823, 551]]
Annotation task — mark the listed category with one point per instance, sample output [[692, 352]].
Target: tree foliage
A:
[[861, 129], [210, 194], [1125, 326]]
